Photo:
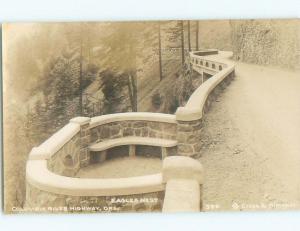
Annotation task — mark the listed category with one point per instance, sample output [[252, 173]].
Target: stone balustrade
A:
[[189, 118], [52, 166]]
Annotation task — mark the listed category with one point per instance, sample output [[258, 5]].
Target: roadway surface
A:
[[251, 151]]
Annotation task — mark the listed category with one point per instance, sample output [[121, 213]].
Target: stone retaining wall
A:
[[51, 202], [189, 118], [66, 161], [85, 140], [189, 137], [74, 153]]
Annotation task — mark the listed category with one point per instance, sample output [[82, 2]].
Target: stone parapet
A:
[[39, 176], [182, 167], [85, 139], [54, 143], [183, 177], [182, 195], [189, 117], [189, 137], [66, 161], [53, 202]]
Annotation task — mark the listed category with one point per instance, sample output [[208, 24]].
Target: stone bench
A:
[[132, 141]]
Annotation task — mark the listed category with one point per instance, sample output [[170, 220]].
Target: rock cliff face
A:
[[267, 42], [264, 42]]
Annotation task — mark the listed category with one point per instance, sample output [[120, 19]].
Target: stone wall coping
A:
[[189, 113], [205, 52], [145, 116], [212, 59], [80, 120], [40, 177], [182, 195], [55, 142], [182, 167], [193, 110], [128, 140]]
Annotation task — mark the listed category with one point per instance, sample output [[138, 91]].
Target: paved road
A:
[[251, 150]]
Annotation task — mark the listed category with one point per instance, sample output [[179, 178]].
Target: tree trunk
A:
[[197, 35], [132, 89], [189, 35], [159, 53], [182, 42], [80, 75]]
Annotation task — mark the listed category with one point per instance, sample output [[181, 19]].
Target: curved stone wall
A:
[[66, 161], [52, 166], [54, 202], [189, 117]]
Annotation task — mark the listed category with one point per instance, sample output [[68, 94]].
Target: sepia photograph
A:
[[151, 116]]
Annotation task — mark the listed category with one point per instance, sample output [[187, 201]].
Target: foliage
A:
[[113, 85], [157, 100]]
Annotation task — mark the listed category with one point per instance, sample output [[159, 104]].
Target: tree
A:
[[175, 34], [112, 87], [159, 52], [152, 38], [122, 47], [197, 35], [60, 90], [182, 42], [79, 41], [189, 34], [80, 74]]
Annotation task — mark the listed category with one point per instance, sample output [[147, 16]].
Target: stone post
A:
[[183, 177], [84, 122], [131, 150], [164, 153], [189, 126]]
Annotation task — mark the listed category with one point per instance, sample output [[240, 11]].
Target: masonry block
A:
[[182, 167], [85, 138], [182, 195], [188, 133]]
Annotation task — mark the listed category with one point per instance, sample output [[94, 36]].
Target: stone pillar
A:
[[183, 177], [164, 153], [132, 150], [189, 126], [188, 137], [103, 155], [84, 123]]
